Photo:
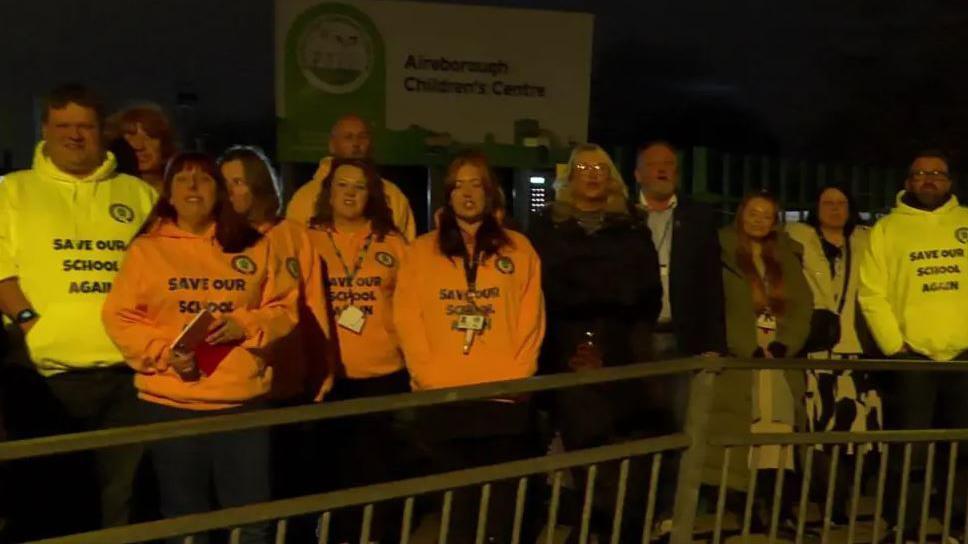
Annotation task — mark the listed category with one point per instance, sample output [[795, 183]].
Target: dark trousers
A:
[[365, 450], [234, 464], [592, 416], [101, 399], [295, 460], [925, 400], [479, 433]]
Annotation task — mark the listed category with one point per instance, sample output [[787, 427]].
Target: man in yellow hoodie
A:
[[64, 227], [350, 139], [914, 294]]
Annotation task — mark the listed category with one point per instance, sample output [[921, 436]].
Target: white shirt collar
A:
[[645, 203]]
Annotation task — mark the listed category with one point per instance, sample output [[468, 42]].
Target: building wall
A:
[[219, 52]]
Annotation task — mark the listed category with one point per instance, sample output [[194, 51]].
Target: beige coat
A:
[[827, 291]]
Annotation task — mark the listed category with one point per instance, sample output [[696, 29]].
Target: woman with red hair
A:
[[469, 310], [768, 309], [146, 133]]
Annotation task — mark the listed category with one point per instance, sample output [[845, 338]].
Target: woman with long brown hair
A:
[[768, 308], [302, 363], [352, 229], [469, 310]]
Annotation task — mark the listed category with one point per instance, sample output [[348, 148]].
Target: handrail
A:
[[50, 445], [57, 444], [314, 504], [838, 437], [866, 365]]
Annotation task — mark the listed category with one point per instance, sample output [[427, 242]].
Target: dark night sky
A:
[[861, 80]]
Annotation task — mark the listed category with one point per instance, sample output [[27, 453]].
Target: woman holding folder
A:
[[199, 255]]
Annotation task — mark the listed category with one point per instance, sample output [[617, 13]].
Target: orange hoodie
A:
[[302, 362], [167, 277], [375, 351], [430, 295], [303, 202]]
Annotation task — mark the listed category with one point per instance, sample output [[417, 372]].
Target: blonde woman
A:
[[600, 274]]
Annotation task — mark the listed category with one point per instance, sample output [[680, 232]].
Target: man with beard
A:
[[914, 291]]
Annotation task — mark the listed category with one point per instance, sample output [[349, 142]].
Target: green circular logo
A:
[[122, 213], [385, 259], [244, 265], [292, 265], [335, 54], [962, 235], [505, 265]]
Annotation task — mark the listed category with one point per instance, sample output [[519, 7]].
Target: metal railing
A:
[[691, 444]]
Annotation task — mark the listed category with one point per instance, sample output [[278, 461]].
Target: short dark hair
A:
[[934, 153], [73, 93], [655, 143], [853, 211]]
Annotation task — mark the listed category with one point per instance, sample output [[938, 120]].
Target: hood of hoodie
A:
[[49, 170], [904, 208], [167, 228]]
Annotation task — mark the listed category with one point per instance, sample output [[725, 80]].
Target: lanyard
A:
[[359, 260], [471, 265]]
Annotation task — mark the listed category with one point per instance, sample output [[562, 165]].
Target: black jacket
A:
[[606, 283], [695, 284]]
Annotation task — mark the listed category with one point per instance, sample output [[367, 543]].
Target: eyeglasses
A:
[[929, 174], [597, 168]]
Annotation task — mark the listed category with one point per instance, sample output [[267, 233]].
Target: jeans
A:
[[234, 464], [924, 400], [101, 399]]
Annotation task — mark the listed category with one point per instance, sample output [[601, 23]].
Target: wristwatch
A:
[[24, 316]]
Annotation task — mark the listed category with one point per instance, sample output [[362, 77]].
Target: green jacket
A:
[[733, 402], [793, 326]]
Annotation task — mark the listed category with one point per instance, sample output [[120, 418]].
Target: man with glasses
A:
[[914, 294]]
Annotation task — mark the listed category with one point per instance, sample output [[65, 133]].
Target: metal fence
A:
[[690, 446], [722, 179]]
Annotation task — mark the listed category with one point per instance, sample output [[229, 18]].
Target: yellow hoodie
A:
[[169, 275], [430, 296], [303, 203], [64, 237], [914, 280]]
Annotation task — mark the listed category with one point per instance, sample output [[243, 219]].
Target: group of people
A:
[[337, 298]]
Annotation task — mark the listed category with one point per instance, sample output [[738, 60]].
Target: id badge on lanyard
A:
[[766, 321], [352, 318], [472, 321]]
